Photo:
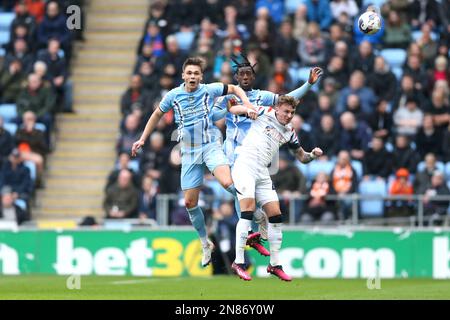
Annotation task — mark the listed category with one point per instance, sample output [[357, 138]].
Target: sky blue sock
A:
[[198, 220]]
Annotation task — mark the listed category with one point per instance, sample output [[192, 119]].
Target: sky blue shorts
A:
[[194, 160]]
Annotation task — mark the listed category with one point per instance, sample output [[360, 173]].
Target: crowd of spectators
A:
[[35, 85], [374, 119]]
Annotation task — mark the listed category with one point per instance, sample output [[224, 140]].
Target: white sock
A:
[[241, 239], [258, 215], [275, 238], [204, 241]]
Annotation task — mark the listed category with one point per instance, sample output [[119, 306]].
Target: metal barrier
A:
[[416, 220]]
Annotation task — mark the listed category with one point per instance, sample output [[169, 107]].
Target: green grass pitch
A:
[[217, 288]]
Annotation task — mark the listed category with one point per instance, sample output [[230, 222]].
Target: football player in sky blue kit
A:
[[238, 125], [193, 102]]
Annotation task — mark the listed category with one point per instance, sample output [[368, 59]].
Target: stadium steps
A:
[[85, 141]]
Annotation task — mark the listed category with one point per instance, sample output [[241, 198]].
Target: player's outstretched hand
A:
[[317, 152], [252, 114], [136, 146], [314, 74]]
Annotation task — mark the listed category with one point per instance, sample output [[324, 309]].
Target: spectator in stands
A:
[[381, 121], [325, 136], [171, 61], [224, 55], [324, 107], [377, 162], [37, 98], [262, 37], [57, 74], [15, 174], [446, 144], [407, 90], [275, 7], [245, 14], [169, 181], [36, 8], [300, 22], [427, 45], [318, 208], [404, 156], [353, 105], [311, 49], [415, 69], [153, 38], [208, 32], [155, 158], [135, 97], [21, 32], [145, 56], [382, 80], [319, 11], [428, 139], [147, 200], [20, 52], [6, 143], [440, 71], [397, 31], [348, 6], [356, 86], [331, 90], [337, 70], [9, 211], [401, 186], [23, 17], [341, 49], [121, 199], [408, 119], [354, 136], [187, 11], [424, 12], [123, 164], [128, 134], [423, 178], [32, 144], [364, 59], [281, 75], [436, 209], [343, 182], [159, 11], [11, 81], [285, 43], [54, 26], [440, 110]]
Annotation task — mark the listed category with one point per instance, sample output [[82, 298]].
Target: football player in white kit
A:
[[251, 177]]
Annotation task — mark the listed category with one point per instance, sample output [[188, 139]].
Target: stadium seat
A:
[[4, 37], [440, 166], [132, 165], [447, 171], [40, 126], [372, 208], [357, 165], [10, 127], [377, 3], [398, 72], [22, 204], [6, 18], [32, 166], [303, 74], [418, 33], [394, 57], [8, 112], [319, 166], [302, 167]]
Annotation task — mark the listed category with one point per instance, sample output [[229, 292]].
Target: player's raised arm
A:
[[314, 76], [306, 157], [149, 127]]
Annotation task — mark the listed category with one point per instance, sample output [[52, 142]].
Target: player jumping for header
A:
[[200, 139]]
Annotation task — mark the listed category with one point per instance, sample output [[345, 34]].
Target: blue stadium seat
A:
[[10, 127], [303, 74], [8, 112], [40, 126], [22, 204], [447, 171], [372, 208], [4, 37], [6, 18], [417, 34], [394, 57], [2, 52], [132, 165], [304, 168], [319, 166], [440, 166], [377, 3], [357, 165], [32, 166], [398, 72]]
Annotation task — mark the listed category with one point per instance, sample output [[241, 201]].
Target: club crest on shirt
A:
[[273, 133]]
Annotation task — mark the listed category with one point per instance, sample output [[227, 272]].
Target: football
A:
[[369, 22]]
